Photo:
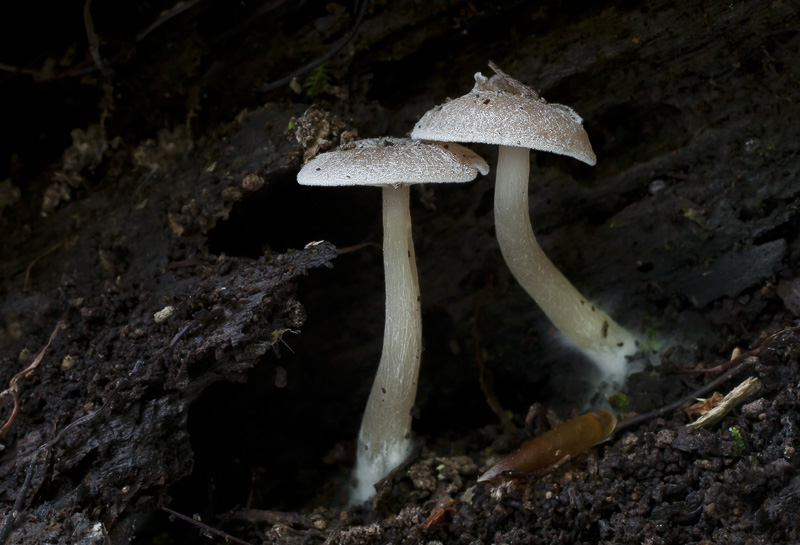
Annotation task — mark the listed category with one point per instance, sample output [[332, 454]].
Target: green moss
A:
[[618, 401], [738, 442], [316, 79], [650, 343]]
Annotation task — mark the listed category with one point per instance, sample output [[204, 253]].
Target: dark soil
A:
[[194, 340]]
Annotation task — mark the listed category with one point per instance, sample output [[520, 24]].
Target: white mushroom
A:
[[506, 112], [393, 164]]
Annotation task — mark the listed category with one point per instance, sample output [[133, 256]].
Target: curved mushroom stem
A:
[[385, 438], [603, 340]]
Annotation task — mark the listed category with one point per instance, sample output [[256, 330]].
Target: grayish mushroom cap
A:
[[506, 112], [393, 161]]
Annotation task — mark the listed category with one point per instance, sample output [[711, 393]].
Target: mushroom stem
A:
[[603, 340], [385, 438]]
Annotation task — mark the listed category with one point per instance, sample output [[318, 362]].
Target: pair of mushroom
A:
[[499, 111]]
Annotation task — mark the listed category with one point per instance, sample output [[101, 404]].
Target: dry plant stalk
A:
[[732, 400]]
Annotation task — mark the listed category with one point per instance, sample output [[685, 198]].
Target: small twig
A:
[[741, 362], [180, 333], [165, 16], [359, 246], [636, 420], [205, 527], [733, 361], [94, 40], [361, 5], [26, 71], [440, 515], [13, 389], [36, 259], [732, 399], [86, 67]]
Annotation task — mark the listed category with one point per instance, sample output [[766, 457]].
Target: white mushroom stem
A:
[[385, 437], [590, 329]]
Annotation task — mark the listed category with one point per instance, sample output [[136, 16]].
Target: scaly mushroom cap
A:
[[506, 112], [393, 161]]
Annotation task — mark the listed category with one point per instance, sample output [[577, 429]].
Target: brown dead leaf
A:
[[703, 406]]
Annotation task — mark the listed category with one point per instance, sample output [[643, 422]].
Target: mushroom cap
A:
[[393, 161], [503, 111]]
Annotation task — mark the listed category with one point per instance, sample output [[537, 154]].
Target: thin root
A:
[[13, 389]]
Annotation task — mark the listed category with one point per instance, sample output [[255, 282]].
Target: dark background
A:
[[685, 231]]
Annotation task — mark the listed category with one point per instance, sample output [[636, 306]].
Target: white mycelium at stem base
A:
[[385, 437], [589, 328]]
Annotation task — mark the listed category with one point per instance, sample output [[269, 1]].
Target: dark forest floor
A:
[[199, 354]]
